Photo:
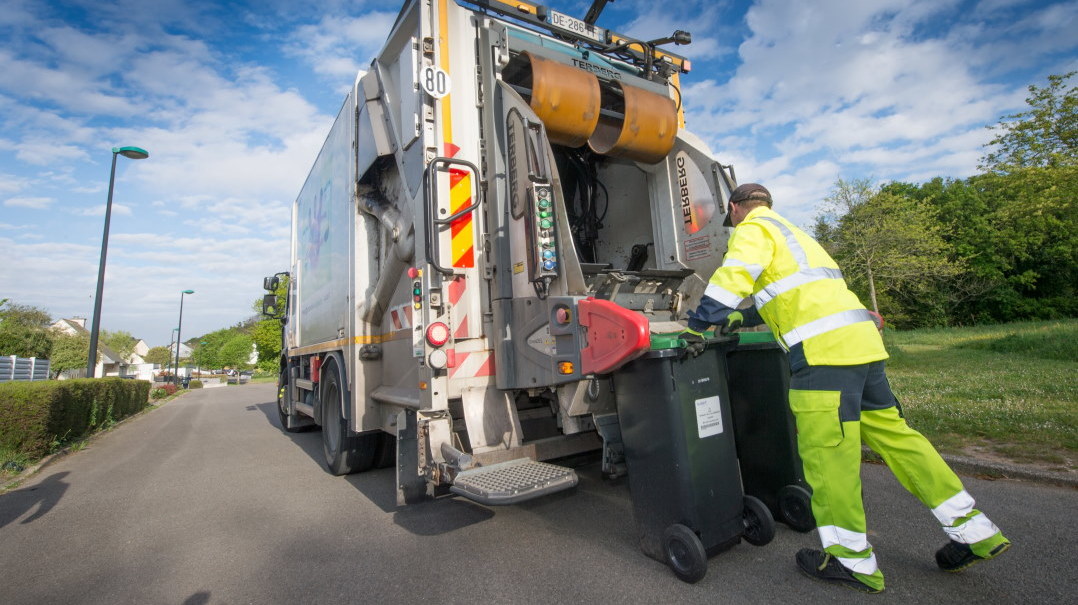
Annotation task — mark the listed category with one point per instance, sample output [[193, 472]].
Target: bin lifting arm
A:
[[615, 335]]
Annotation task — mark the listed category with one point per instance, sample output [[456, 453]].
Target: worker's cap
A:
[[748, 191]]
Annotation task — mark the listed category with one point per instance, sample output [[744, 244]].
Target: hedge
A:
[[37, 416]]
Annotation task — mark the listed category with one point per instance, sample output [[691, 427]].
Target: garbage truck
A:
[[506, 209]]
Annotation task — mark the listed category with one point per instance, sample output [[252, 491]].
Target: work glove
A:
[[694, 342], [732, 322]]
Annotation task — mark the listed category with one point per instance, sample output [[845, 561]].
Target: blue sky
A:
[[233, 101]]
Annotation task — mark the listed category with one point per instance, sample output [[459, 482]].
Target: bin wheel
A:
[[684, 553], [759, 524], [795, 506]]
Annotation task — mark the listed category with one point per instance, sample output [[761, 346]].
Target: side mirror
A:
[[270, 284], [269, 305]]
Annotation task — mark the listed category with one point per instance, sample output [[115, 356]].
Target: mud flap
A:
[[411, 486]]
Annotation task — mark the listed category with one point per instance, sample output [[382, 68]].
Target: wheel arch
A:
[[336, 358]]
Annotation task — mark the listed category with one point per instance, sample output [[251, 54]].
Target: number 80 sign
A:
[[435, 81]]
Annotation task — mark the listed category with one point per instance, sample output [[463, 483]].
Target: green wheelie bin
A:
[[684, 479], [759, 377]]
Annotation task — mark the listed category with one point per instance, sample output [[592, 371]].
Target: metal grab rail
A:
[[432, 199]]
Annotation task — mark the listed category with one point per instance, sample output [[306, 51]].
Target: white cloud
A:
[[338, 46], [117, 209], [873, 86], [34, 203], [10, 183]]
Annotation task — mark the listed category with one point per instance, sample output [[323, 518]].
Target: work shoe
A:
[[822, 566], [956, 556]]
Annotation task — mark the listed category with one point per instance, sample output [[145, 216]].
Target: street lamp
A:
[[134, 153], [179, 326], [170, 341]]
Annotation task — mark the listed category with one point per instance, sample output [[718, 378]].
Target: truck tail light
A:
[[437, 334]]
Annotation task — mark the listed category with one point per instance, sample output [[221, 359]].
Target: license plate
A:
[[576, 26]]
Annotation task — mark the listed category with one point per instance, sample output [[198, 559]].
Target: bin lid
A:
[[752, 338], [671, 340]]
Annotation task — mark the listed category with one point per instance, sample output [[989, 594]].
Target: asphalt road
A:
[[206, 500]]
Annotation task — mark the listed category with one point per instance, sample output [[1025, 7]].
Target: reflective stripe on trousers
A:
[[832, 535]]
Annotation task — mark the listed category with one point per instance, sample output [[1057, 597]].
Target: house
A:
[[109, 363], [141, 349]]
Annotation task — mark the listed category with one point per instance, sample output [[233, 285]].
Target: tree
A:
[[1046, 135], [1031, 183], [158, 355], [1035, 223], [888, 244], [69, 352], [24, 331], [123, 343], [236, 352]]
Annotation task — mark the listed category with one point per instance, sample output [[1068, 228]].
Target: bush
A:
[[158, 393], [37, 417], [195, 384]]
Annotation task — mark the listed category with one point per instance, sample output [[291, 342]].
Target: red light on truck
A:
[[437, 334]]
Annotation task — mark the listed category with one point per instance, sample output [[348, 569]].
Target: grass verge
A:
[[1008, 391]]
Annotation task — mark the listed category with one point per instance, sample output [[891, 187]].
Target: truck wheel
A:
[[684, 553], [290, 421], [759, 524], [795, 506], [346, 452]]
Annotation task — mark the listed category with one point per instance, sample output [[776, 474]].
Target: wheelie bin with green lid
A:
[[682, 464], [759, 378]]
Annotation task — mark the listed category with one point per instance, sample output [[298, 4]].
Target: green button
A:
[[545, 224], [544, 204]]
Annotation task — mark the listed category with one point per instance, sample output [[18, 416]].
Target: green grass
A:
[[1011, 390]]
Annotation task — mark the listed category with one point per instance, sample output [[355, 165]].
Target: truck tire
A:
[[346, 452], [291, 422]]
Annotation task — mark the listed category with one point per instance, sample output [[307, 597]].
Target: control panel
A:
[[543, 248]]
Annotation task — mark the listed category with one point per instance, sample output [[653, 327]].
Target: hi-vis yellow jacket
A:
[[797, 289]]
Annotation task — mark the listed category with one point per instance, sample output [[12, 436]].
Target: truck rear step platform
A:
[[512, 482]]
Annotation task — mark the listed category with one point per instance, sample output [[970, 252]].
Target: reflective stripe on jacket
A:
[[798, 290]]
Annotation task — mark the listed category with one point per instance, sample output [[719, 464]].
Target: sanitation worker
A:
[[839, 393]]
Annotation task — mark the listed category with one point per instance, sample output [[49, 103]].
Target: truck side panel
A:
[[322, 248]]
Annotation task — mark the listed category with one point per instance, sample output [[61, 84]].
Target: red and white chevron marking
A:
[[401, 317], [471, 365]]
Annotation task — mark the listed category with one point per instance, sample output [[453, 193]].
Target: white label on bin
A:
[[709, 416]]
